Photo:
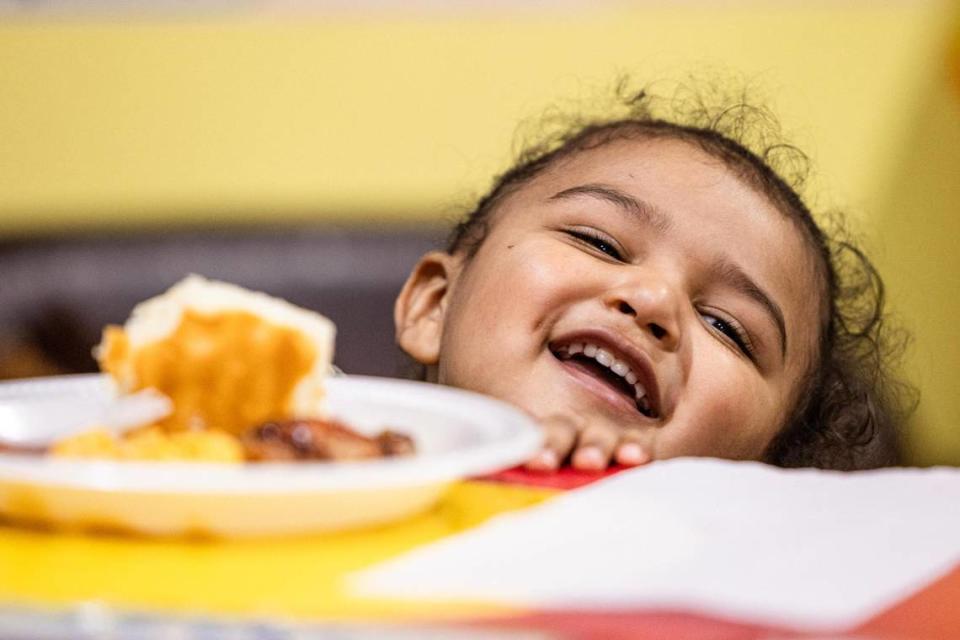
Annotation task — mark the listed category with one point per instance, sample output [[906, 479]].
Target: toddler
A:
[[648, 288]]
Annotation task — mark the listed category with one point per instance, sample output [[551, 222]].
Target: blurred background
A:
[[314, 149]]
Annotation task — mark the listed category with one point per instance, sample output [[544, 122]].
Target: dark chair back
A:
[[56, 294]]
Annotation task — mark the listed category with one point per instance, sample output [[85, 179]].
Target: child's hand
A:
[[588, 447]]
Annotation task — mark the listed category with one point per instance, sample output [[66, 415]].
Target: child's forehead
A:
[[636, 157], [674, 175]]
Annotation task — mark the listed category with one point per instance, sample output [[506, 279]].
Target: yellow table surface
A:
[[290, 577]]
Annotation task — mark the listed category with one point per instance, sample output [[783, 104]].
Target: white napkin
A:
[[804, 548]]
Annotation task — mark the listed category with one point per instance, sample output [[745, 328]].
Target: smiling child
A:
[[650, 289]]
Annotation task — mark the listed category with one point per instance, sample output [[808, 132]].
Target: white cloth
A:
[[804, 548]]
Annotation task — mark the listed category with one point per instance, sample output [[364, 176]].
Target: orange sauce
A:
[[227, 370]]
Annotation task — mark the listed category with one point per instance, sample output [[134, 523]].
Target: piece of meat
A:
[[22, 449], [313, 439], [393, 443]]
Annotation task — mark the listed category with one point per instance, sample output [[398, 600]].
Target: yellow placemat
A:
[[297, 577]]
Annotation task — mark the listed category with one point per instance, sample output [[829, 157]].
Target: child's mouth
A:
[[601, 365]]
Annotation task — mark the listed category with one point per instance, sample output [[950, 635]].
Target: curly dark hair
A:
[[850, 404]]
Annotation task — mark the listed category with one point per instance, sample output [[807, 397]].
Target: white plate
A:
[[457, 434]]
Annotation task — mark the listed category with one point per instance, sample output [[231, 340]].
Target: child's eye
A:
[[598, 241], [733, 331]]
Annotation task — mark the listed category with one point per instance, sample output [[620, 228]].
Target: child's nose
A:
[[654, 307]]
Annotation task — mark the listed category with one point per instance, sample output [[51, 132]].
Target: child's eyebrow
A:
[[646, 212], [734, 276]]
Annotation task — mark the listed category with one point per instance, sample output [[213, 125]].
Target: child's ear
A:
[[419, 310]]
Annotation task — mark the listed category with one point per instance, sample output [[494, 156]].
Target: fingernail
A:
[[631, 454], [546, 460], [589, 458]]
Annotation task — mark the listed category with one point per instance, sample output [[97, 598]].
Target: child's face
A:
[[655, 253]]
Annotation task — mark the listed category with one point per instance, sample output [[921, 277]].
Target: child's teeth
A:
[[620, 368], [641, 392], [603, 357]]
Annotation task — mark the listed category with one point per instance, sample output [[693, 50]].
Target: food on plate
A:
[[314, 439], [152, 443], [246, 375], [287, 440], [227, 357]]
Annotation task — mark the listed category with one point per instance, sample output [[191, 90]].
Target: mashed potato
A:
[[152, 443]]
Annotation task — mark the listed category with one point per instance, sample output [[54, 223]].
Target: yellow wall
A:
[[124, 121], [919, 224], [117, 122]]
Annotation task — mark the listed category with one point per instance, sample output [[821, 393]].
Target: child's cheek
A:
[[734, 420], [751, 421], [530, 275], [500, 293], [553, 273]]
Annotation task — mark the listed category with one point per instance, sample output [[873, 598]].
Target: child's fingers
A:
[[632, 450], [560, 434], [595, 447]]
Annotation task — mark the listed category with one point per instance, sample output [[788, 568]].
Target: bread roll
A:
[[227, 357]]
